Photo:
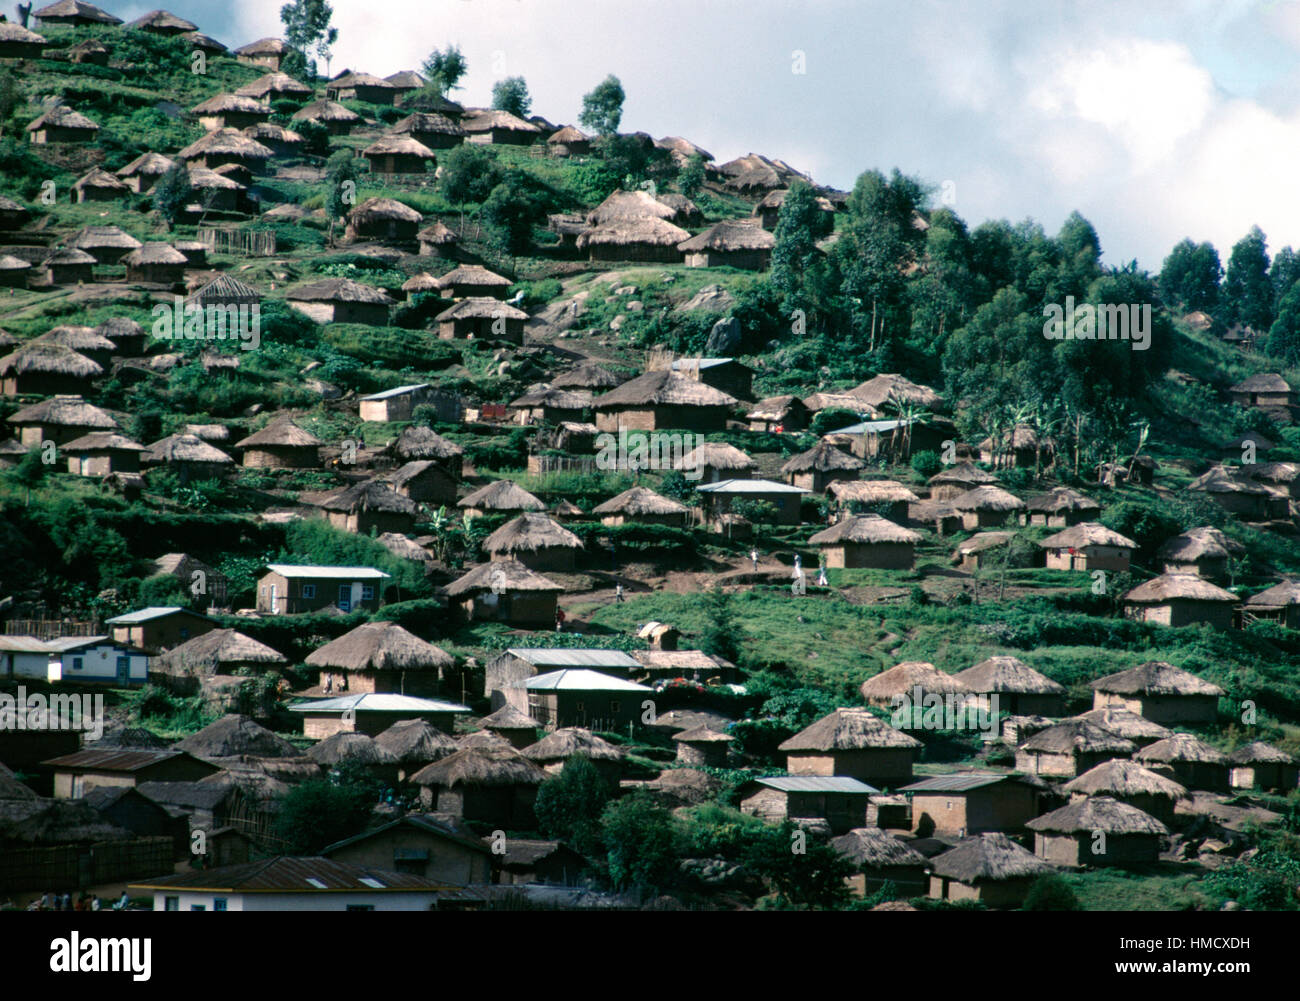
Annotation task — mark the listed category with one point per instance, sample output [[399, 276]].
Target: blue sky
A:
[[1156, 119]]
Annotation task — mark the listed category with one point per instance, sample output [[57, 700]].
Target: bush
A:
[[926, 463], [832, 419], [640, 839], [1051, 893], [469, 173], [569, 805]]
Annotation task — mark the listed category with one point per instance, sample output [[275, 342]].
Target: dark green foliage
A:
[[602, 108], [833, 419], [171, 193], [1247, 292], [640, 840], [569, 805], [719, 637], [307, 31], [690, 178], [1050, 893], [801, 872], [511, 211], [469, 175], [319, 812], [511, 95], [444, 69], [1191, 275], [927, 463]]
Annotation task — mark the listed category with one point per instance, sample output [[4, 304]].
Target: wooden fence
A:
[[52, 629], [238, 242], [73, 867]]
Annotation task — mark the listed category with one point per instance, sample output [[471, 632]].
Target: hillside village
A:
[[458, 509]]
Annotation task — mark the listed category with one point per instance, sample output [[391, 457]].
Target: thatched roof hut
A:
[[416, 743], [488, 739], [281, 444], [55, 822], [865, 530], [437, 240], [716, 460], [62, 124], [1126, 723], [482, 317], [144, 171], [571, 741], [1204, 550], [874, 848], [501, 576], [98, 184], [350, 747], [337, 119], [370, 504], [275, 85], [42, 368], [420, 442], [662, 398], [473, 280], [903, 680], [500, 496], [187, 449], [820, 466], [1091, 814], [587, 374], [162, 22], [380, 646], [17, 42], [1020, 689], [1156, 677], [226, 145], [59, 419], [1080, 735], [398, 155], [639, 504], [1061, 506], [893, 388], [988, 498], [231, 110], [848, 729], [205, 43], [991, 868], [956, 480], [11, 788], [513, 726], [889, 492], [737, 243], [1177, 599], [643, 238], [431, 129], [476, 766], [536, 541], [219, 651], [234, 735], [1182, 747], [383, 218], [1125, 780], [106, 244]]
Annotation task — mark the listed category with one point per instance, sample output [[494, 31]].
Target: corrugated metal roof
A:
[[379, 703], [145, 614], [750, 487], [300, 875], [817, 783], [690, 363], [581, 680], [957, 782], [64, 643], [23, 644], [573, 657], [127, 760], [334, 573], [869, 427], [398, 391]]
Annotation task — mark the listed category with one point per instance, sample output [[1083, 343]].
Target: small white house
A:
[[73, 658], [288, 883]]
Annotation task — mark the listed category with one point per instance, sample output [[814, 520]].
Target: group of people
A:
[[798, 568], [50, 901]]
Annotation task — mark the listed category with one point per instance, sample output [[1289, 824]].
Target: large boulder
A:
[[724, 339]]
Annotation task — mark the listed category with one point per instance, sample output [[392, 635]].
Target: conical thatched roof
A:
[[902, 678], [569, 741], [263, 47], [234, 735], [874, 848], [76, 337], [438, 234], [730, 235], [664, 387], [848, 729], [1259, 753], [423, 282], [416, 742], [339, 290], [1178, 586], [427, 122], [1098, 813], [119, 328], [231, 102], [128, 736], [1221, 480], [207, 43], [97, 177], [354, 79], [508, 718], [707, 735], [68, 255], [1087, 533], [1276, 597], [1182, 747], [482, 739], [501, 576], [154, 253], [163, 21], [962, 474], [102, 441], [549, 396], [49, 358], [1124, 723], [1265, 382], [184, 448], [474, 766], [226, 142], [10, 33], [1062, 499], [1007, 675], [1198, 543], [372, 495], [987, 498], [69, 411], [502, 495], [1124, 779], [715, 455], [481, 307], [989, 858], [203, 179], [283, 432], [884, 389], [823, 458], [147, 164], [378, 209], [568, 134], [325, 111], [398, 146], [586, 375], [351, 748], [639, 501], [626, 206], [1155, 678], [63, 117], [1079, 735], [529, 533], [224, 290], [274, 83], [872, 492], [865, 529], [103, 237], [56, 822], [215, 651], [270, 132], [419, 442], [641, 230], [380, 646]]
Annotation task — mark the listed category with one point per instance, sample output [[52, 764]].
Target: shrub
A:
[[569, 805], [1051, 893], [926, 463]]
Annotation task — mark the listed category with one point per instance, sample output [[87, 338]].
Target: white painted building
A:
[[72, 658]]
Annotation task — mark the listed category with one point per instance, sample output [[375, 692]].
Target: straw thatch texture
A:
[[380, 646], [502, 576], [1098, 813], [416, 742], [501, 495], [902, 678], [1156, 678], [234, 735], [823, 458], [1007, 675], [664, 388], [988, 858], [529, 533], [848, 729], [865, 529], [569, 741], [639, 501], [216, 652], [475, 766], [1124, 779], [351, 748]]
